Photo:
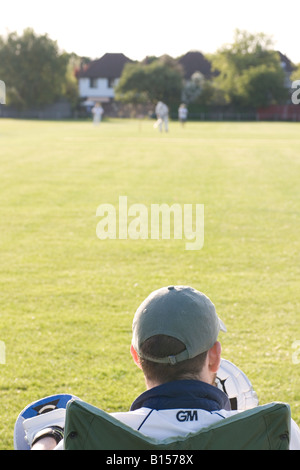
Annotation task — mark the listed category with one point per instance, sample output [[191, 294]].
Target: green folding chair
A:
[[265, 427]]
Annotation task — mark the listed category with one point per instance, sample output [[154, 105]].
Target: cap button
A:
[[170, 287]]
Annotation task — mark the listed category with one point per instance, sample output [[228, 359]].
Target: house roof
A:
[[195, 61], [111, 65], [288, 65], [108, 66]]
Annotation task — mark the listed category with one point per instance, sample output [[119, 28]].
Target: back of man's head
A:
[[173, 329], [160, 346]]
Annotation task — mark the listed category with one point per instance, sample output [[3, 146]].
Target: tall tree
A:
[[34, 70], [250, 74], [159, 80]]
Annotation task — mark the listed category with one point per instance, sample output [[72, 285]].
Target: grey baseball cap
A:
[[181, 312]]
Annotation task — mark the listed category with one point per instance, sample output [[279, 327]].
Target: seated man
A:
[[175, 343]]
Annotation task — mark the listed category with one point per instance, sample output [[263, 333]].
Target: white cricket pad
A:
[[232, 381]]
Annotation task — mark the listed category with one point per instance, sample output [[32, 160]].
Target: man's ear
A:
[[135, 356], [214, 357]]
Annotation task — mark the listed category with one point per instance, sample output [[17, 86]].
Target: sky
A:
[[140, 28]]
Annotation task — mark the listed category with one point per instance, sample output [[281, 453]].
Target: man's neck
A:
[[206, 378]]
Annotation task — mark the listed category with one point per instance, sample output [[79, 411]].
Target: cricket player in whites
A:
[[162, 114], [97, 112], [2, 92]]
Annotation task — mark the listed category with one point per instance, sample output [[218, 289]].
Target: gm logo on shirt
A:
[[187, 415]]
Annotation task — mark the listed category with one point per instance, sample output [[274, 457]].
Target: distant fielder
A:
[[182, 114], [97, 112], [2, 92], [162, 113]]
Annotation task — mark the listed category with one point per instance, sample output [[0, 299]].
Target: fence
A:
[[56, 111], [289, 112], [220, 116], [63, 110]]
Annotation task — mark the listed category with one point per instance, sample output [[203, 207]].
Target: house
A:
[[288, 68], [194, 61], [97, 80]]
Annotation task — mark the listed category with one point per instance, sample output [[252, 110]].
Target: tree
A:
[[249, 71], [70, 85], [296, 73], [148, 83], [261, 86], [34, 70], [193, 88], [132, 85]]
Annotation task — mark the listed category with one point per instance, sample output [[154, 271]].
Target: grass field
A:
[[67, 298]]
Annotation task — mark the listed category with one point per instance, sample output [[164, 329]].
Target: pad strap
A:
[[53, 431]]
